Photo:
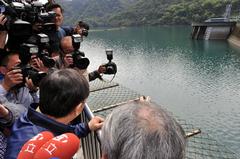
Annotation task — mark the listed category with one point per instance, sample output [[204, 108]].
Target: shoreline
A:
[[106, 29]]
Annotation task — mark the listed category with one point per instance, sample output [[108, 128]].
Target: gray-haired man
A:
[[142, 130]]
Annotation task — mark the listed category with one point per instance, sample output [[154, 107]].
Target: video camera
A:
[[111, 67], [22, 16]]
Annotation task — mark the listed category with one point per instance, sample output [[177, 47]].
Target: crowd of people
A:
[[136, 130]]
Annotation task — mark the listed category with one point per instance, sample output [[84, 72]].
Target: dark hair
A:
[[53, 6], [61, 91], [4, 56]]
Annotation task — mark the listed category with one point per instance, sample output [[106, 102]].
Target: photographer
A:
[[62, 31], [65, 60], [12, 77], [41, 60]]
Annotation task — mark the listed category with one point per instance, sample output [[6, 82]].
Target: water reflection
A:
[[196, 80]]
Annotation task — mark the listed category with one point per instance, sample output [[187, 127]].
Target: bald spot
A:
[[146, 117]]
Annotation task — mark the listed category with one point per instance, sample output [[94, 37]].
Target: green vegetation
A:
[[142, 12]]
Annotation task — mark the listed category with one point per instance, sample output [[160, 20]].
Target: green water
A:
[[199, 81]]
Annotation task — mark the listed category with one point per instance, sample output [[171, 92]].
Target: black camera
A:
[[27, 50], [43, 44], [84, 32], [79, 59], [85, 27], [111, 67], [31, 73]]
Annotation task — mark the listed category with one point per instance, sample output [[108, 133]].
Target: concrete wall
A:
[[235, 36], [219, 32]]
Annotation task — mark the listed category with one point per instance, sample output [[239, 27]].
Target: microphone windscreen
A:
[[63, 146], [34, 144]]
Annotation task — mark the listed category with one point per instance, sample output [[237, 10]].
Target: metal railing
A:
[[90, 144]]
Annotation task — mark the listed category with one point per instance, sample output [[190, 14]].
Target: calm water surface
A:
[[199, 81]]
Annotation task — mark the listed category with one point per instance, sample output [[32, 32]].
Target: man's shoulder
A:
[[22, 130], [67, 29]]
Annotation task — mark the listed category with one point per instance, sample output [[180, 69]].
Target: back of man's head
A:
[[142, 130], [62, 91]]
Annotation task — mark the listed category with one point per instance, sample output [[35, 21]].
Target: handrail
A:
[[90, 115], [91, 143]]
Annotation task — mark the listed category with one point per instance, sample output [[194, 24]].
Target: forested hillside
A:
[[142, 12]]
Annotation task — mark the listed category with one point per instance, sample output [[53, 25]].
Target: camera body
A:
[[85, 27], [111, 67], [84, 32], [79, 59], [27, 50], [31, 73], [43, 44]]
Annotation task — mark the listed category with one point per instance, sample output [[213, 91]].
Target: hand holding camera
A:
[[68, 59], [101, 69], [82, 28], [12, 78], [37, 64], [30, 85], [111, 67]]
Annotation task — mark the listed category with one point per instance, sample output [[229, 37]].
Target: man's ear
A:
[[79, 109], [3, 70], [104, 156]]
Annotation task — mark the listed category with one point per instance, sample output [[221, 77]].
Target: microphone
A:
[[34, 144], [63, 147]]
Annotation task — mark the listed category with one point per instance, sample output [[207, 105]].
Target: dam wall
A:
[[234, 38]]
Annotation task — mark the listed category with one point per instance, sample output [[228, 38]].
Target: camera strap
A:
[[106, 80]]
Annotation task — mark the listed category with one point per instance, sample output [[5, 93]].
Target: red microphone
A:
[[34, 144], [63, 146]]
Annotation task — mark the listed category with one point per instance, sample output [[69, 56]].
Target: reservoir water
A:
[[199, 81]]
